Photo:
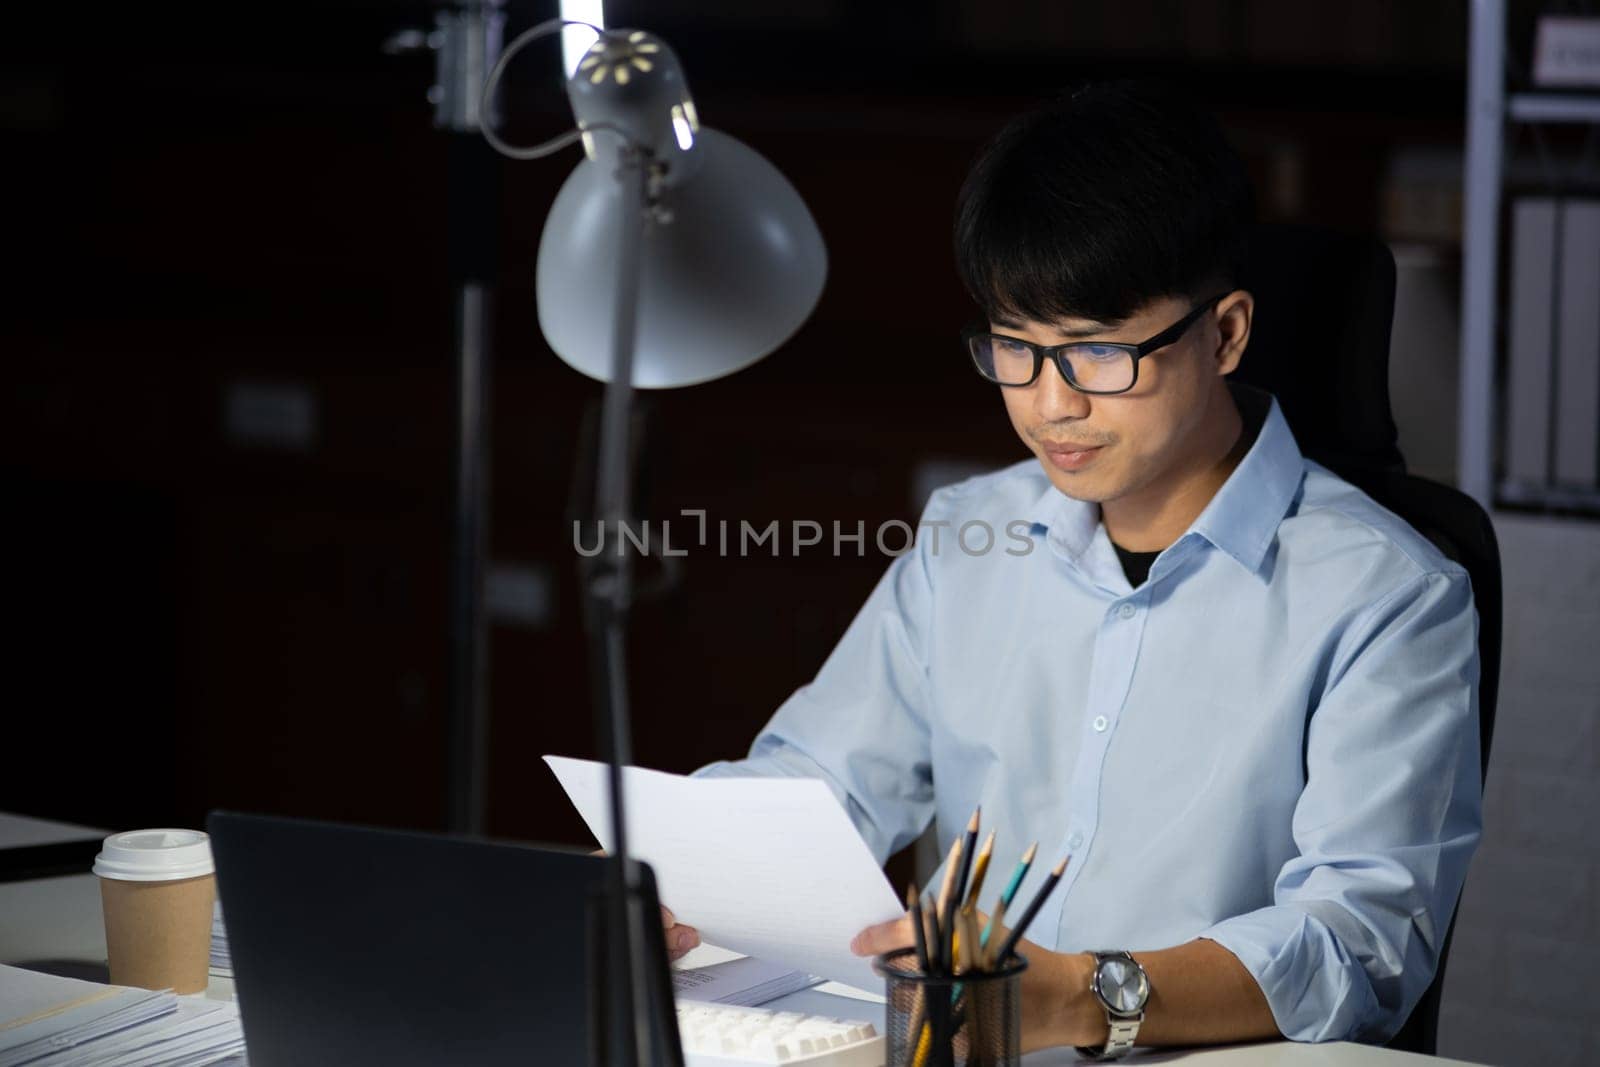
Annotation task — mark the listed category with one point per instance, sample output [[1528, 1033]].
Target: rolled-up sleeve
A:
[[861, 725], [1388, 820]]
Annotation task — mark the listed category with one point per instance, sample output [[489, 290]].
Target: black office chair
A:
[[1320, 343]]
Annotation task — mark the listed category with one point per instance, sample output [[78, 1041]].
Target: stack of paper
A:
[[46, 1021], [221, 958], [709, 973]]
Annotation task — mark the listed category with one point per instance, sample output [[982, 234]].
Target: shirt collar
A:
[[1071, 523], [1242, 518]]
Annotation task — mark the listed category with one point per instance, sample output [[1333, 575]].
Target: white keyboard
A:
[[720, 1035]]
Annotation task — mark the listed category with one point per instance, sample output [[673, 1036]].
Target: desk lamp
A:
[[672, 255]]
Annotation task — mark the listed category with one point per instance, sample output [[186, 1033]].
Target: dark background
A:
[[204, 199]]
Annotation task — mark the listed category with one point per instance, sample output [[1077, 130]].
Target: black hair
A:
[[1110, 197]]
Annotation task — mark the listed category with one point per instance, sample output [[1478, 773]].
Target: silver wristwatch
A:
[[1123, 990]]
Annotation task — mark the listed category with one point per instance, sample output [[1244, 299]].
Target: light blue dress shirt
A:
[[1271, 743]]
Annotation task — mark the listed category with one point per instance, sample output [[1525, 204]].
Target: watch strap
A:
[[1123, 1028], [1120, 1042]]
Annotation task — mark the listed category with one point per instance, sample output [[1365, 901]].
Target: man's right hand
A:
[[680, 938]]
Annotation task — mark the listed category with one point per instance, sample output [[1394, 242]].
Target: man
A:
[[1239, 693]]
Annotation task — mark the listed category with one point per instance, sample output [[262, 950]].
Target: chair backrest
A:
[[1320, 343]]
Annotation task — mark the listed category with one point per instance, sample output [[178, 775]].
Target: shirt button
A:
[[1100, 723], [1075, 841], [1127, 611]]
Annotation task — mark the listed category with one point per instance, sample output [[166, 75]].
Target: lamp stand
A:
[[655, 119], [641, 991]]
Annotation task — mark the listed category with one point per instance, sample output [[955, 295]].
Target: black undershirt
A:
[[1136, 565]]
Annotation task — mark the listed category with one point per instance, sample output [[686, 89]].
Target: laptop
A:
[[359, 945]]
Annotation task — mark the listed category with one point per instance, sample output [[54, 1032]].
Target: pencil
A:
[[969, 846], [914, 911], [974, 960], [972, 953], [1010, 891], [952, 865], [920, 1021], [920, 936], [965, 942], [946, 928], [1019, 873], [1033, 909], [979, 869], [996, 922]]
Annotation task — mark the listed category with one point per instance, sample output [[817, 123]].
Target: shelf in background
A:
[[1553, 107], [1569, 499]]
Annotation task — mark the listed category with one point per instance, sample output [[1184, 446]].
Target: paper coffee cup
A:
[[156, 891]]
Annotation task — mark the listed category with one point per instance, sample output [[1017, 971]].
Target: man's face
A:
[[1102, 448]]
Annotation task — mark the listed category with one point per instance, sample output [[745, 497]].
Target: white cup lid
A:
[[155, 856]]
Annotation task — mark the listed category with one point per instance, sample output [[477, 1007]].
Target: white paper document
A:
[[41, 1014], [50, 1021], [771, 867], [201, 1031]]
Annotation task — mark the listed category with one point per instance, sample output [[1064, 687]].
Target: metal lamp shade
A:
[[730, 277]]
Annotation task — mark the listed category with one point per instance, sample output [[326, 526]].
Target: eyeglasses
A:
[[1101, 368]]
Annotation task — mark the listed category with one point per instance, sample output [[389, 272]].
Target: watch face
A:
[[1123, 985]]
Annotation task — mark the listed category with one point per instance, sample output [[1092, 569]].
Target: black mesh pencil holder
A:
[[971, 1020]]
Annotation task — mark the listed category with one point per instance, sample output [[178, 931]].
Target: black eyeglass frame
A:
[[1054, 352]]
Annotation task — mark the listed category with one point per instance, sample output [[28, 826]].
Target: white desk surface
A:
[[1266, 1054], [59, 919], [21, 831]]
